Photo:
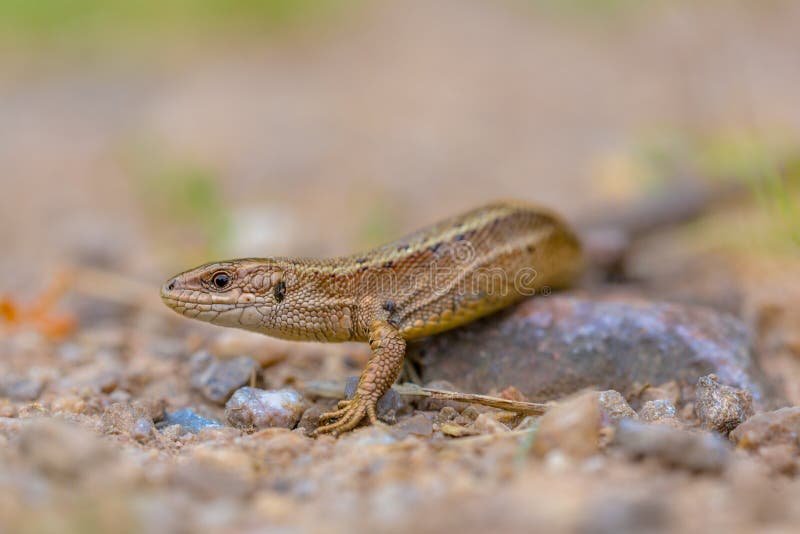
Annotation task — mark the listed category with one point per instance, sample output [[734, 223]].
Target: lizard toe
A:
[[348, 417]]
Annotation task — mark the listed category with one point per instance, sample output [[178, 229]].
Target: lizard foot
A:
[[349, 414]]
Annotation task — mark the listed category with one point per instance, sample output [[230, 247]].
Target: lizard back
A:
[[466, 267]]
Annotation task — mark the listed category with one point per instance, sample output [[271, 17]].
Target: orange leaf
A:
[[8, 310]]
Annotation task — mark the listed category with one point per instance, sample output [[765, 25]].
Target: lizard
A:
[[430, 281]]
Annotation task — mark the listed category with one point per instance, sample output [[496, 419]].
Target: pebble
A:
[[670, 391], [456, 431], [218, 379], [779, 427], [253, 408], [21, 388], [614, 405], [93, 378], [447, 413], [142, 430], [187, 420], [121, 417], [572, 426], [69, 404], [656, 410], [389, 405], [719, 407], [416, 425], [486, 424], [694, 451], [310, 418]]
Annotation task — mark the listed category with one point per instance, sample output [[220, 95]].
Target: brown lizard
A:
[[430, 281]]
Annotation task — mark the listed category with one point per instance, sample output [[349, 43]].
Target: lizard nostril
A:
[[171, 285]]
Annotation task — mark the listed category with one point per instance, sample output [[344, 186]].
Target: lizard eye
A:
[[221, 280]]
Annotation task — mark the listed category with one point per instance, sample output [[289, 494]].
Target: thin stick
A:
[[527, 408]]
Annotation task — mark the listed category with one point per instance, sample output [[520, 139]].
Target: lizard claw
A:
[[348, 416]]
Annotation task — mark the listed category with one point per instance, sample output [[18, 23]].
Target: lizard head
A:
[[238, 293]]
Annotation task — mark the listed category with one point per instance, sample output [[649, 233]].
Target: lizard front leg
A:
[[388, 350]]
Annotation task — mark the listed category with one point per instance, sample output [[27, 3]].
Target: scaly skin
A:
[[433, 280]]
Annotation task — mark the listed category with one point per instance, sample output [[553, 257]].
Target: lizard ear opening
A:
[[280, 291]]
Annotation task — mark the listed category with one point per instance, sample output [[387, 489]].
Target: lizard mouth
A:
[[183, 300]]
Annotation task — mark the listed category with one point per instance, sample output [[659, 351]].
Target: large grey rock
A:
[[548, 347]]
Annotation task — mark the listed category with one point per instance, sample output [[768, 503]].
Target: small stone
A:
[[778, 427], [509, 419], [119, 395], [69, 403], [470, 413], [29, 411], [416, 425], [656, 410], [171, 432], [694, 451], [218, 379], [513, 394], [142, 430], [121, 417], [614, 405], [389, 405], [21, 388], [93, 378], [447, 413], [254, 408], [720, 407], [572, 426], [486, 424], [310, 418], [187, 421], [670, 391], [457, 431]]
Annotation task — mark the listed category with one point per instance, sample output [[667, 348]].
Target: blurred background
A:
[[146, 136]]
